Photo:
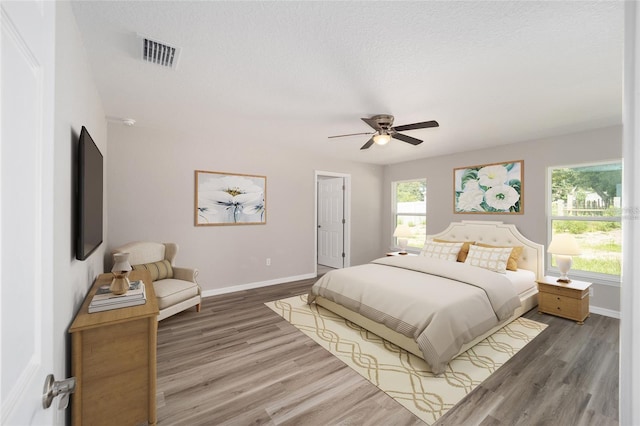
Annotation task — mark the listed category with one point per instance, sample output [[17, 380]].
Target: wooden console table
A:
[[114, 361]]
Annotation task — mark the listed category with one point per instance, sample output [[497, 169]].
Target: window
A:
[[410, 208], [586, 202]]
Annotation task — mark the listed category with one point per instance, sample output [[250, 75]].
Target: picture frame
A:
[[495, 188], [227, 199]]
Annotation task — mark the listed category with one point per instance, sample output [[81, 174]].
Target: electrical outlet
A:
[[268, 261], [590, 291]]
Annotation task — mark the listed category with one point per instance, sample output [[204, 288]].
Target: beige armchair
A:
[[176, 288]]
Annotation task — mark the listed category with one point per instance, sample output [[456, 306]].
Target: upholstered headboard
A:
[[499, 234]]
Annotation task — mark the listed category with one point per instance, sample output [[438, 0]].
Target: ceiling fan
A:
[[384, 130]]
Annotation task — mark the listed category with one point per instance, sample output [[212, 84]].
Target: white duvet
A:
[[441, 305]]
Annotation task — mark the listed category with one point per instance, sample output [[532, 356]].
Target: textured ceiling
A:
[[291, 74]]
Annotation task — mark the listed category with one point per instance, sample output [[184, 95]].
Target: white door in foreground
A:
[[26, 209]]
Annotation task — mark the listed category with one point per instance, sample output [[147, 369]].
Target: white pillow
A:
[[445, 251], [491, 258]]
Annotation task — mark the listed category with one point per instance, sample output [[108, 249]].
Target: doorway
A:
[[333, 198]]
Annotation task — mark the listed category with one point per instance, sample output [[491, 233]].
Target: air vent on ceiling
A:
[[159, 53]]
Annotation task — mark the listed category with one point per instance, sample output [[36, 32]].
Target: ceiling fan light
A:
[[382, 139]]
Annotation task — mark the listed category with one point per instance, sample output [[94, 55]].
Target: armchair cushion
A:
[[171, 291], [159, 270]]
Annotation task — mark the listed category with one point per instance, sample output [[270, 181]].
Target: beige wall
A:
[[151, 197], [77, 103], [153, 179], [538, 155]]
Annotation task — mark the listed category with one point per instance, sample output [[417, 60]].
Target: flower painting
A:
[[230, 199], [490, 188]]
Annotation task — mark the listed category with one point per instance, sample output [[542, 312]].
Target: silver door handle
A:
[[53, 388]]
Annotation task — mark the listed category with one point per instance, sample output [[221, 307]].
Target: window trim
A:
[[395, 214], [600, 278]]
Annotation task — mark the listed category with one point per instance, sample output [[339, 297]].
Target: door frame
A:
[[347, 215]]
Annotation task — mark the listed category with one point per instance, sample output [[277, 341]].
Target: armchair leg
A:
[[198, 307]]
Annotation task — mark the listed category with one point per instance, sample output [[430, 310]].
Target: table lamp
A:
[[564, 246], [120, 271], [402, 233]]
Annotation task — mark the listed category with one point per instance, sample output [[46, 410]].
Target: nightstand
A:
[[397, 253], [566, 300]]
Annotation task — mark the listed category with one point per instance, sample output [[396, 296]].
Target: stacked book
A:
[[104, 300]]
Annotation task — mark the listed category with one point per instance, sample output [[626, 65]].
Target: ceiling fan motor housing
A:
[[384, 121]]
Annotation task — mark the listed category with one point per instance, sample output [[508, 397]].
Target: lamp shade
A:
[[121, 263], [402, 231], [564, 244]]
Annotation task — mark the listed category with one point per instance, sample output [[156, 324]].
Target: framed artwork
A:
[[230, 199], [489, 188]]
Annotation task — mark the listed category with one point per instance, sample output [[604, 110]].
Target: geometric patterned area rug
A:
[[400, 374]]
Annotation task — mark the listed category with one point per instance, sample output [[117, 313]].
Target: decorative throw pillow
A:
[[445, 251], [464, 251], [159, 270], [516, 252], [491, 258]]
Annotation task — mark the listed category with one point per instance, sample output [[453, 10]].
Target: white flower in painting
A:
[[207, 211], [491, 176], [471, 185], [502, 197], [233, 193], [470, 200], [254, 207], [234, 186]]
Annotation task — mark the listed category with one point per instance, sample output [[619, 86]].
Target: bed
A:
[[434, 305]]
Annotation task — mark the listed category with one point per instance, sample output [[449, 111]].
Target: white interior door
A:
[[26, 208], [331, 222]]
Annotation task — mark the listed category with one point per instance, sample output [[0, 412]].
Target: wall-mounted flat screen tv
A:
[[89, 202]]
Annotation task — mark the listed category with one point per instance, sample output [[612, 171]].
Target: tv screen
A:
[[89, 223]]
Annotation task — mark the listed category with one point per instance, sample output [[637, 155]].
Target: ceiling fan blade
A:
[[414, 126], [405, 138], [371, 122], [368, 144], [351, 134]]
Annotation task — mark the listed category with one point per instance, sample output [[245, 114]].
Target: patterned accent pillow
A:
[[159, 270], [445, 251], [491, 258], [516, 253], [464, 251]]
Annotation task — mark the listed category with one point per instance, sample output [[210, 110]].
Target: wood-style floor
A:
[[239, 363]]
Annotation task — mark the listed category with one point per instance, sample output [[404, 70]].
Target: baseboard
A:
[[604, 312], [249, 286]]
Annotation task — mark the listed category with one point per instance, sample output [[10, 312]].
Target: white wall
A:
[[538, 155], [77, 103], [151, 191]]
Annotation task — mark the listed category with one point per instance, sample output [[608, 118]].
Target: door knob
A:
[[53, 388]]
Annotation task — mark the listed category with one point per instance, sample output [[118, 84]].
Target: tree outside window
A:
[[410, 208], [586, 202]]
